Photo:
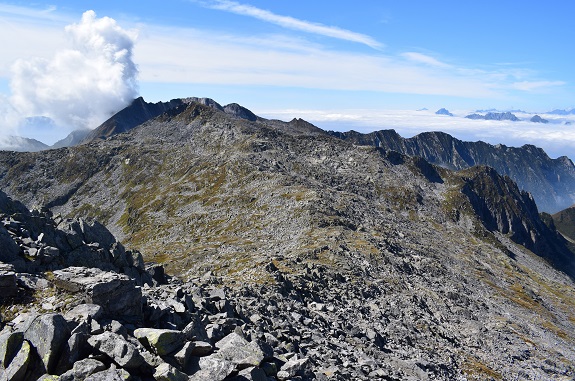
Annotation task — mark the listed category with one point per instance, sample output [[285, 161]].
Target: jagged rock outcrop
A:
[[33, 241], [502, 207], [140, 111], [239, 111], [550, 181]]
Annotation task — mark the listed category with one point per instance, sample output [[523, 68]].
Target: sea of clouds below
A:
[[557, 137]]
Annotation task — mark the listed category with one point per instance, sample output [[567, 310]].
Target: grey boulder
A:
[[116, 293], [121, 351], [48, 333]]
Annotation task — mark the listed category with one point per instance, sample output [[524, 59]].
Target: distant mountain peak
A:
[[443, 111], [494, 116], [569, 111], [538, 119], [20, 144]]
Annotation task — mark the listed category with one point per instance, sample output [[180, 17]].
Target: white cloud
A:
[[536, 85], [9, 119], [425, 59], [81, 86], [556, 138], [175, 55], [293, 23]]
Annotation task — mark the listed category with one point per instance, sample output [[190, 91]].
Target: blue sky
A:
[[325, 59]]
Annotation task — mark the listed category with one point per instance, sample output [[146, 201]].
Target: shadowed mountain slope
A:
[[550, 181], [565, 222]]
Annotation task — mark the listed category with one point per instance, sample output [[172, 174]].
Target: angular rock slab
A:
[[16, 371], [10, 344], [83, 312], [116, 293], [82, 369], [293, 368], [48, 333], [111, 374], [161, 341], [166, 372], [121, 351], [213, 368], [251, 374], [239, 351]]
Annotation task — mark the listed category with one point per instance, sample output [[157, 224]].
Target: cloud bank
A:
[[82, 86]]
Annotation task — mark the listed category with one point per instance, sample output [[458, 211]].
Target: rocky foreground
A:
[[85, 308], [76, 305]]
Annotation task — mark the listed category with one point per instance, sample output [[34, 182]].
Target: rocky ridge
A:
[[352, 262], [140, 111], [550, 181]]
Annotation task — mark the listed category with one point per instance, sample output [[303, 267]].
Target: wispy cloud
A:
[[49, 13], [424, 59], [536, 85], [171, 55], [293, 23]]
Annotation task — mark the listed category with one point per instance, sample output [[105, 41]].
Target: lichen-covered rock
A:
[[48, 334], [10, 343], [161, 341], [18, 366]]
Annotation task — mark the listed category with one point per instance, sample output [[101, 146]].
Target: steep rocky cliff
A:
[[550, 181], [565, 222], [356, 261]]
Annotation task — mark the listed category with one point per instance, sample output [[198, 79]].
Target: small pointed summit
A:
[[443, 111]]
